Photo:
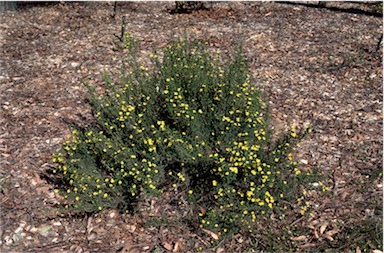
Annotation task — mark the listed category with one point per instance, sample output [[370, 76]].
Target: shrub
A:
[[188, 6], [186, 122]]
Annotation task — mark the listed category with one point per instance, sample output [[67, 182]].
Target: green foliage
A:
[[189, 123], [188, 6]]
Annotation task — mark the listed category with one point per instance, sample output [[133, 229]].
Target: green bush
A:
[[186, 122]]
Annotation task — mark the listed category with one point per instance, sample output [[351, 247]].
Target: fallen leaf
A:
[[332, 232], [344, 195], [220, 250], [112, 214], [316, 234], [213, 235], [315, 222], [89, 225], [76, 248], [308, 245], [323, 228], [328, 237], [178, 246], [167, 246], [44, 229], [299, 238], [358, 250], [311, 226], [202, 210], [91, 236]]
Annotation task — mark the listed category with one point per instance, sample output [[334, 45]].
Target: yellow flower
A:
[[234, 170]]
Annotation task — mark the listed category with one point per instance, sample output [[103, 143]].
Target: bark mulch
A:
[[317, 65]]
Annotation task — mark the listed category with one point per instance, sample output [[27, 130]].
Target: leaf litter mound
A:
[[316, 65]]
